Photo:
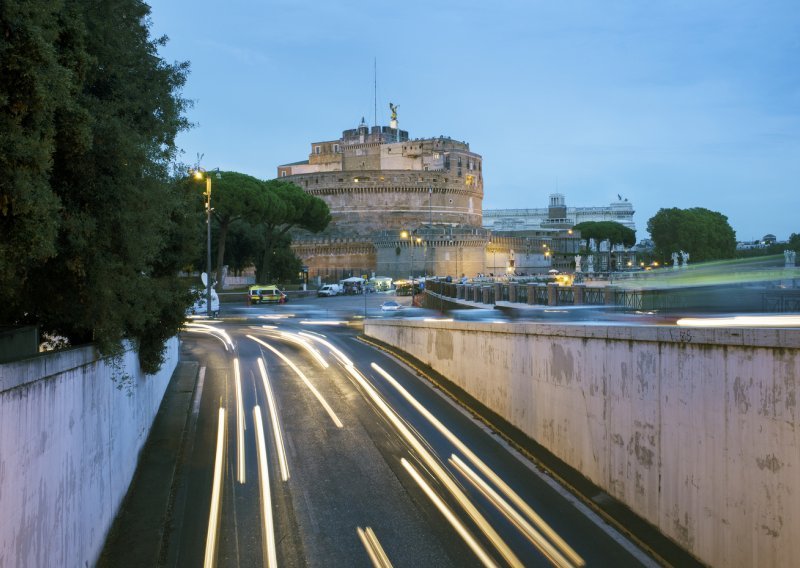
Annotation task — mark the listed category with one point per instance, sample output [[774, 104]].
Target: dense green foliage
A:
[[286, 207], [256, 217], [92, 232], [704, 234], [602, 230], [234, 197]]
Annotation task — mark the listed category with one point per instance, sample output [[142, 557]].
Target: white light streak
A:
[[268, 524], [547, 549], [436, 469], [323, 322], [276, 427], [526, 509], [239, 423], [303, 342], [742, 321], [216, 495], [373, 547], [220, 334], [343, 359], [302, 376], [459, 527]]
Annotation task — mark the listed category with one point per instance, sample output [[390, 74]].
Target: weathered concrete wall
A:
[[696, 430], [70, 436]]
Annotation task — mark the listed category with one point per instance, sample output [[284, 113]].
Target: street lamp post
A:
[[199, 174], [415, 241]]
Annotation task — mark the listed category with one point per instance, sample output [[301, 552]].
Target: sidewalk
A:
[[135, 538]]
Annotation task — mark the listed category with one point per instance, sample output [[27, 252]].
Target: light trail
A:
[[268, 523], [526, 509], [459, 527], [323, 322], [742, 321], [220, 334], [541, 543], [343, 359], [239, 423], [302, 376], [436, 469], [374, 549], [216, 495], [297, 339], [276, 427]]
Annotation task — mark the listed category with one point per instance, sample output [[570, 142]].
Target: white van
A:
[[329, 290], [200, 305]]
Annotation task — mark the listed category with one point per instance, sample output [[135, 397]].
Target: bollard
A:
[[512, 292], [476, 293], [552, 294], [498, 292], [485, 294], [531, 293]]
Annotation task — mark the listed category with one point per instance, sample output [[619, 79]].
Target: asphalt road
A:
[[307, 447]]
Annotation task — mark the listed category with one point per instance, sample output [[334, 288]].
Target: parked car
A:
[[200, 305], [266, 294], [391, 306], [329, 290]]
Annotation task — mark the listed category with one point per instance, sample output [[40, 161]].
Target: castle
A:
[[410, 207]]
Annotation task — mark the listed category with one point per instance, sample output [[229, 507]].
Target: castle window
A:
[[283, 173], [335, 148], [317, 149]]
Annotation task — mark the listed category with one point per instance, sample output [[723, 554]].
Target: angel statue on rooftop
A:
[[393, 108]]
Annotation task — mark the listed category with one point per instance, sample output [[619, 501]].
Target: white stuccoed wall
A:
[[69, 445], [695, 429]]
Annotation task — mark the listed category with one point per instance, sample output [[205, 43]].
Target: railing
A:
[[661, 300], [594, 296], [781, 301], [565, 295]]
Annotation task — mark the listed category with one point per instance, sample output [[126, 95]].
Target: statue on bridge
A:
[[578, 263], [684, 259], [788, 258], [675, 264]]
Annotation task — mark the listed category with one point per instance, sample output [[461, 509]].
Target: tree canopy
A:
[[257, 218], [286, 206], [611, 230], [705, 234], [92, 232]]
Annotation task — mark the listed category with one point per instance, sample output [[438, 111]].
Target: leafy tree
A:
[[88, 116], [611, 230], [244, 244], [283, 264], [705, 234], [35, 85], [234, 197], [285, 206]]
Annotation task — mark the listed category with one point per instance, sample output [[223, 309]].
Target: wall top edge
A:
[[782, 338]]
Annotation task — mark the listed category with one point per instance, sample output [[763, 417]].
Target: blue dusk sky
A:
[[669, 104]]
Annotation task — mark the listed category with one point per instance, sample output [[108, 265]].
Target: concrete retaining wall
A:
[[69, 444], [696, 430]]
